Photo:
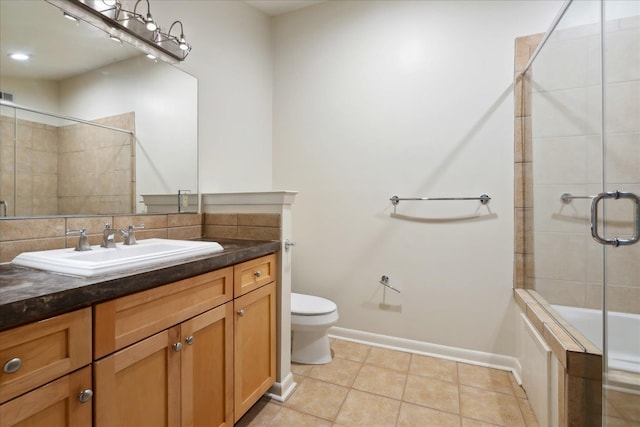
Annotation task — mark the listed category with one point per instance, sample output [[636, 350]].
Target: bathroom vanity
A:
[[188, 344]]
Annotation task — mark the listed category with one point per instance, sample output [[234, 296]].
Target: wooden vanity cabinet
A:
[[42, 379], [190, 353], [179, 376]]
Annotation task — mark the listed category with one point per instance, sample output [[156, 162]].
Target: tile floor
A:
[[375, 387]]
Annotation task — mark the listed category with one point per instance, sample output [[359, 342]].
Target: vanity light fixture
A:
[[18, 56], [132, 27], [182, 43], [148, 21]]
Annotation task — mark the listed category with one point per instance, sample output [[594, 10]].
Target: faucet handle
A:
[[83, 241], [129, 236]]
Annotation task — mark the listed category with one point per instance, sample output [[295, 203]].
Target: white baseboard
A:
[[282, 390], [473, 357]]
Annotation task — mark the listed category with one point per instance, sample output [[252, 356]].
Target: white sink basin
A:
[[99, 261]]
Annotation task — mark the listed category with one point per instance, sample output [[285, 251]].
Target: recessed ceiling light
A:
[[70, 17], [151, 56], [19, 56], [115, 39]]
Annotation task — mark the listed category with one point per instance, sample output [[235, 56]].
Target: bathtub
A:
[[623, 337]]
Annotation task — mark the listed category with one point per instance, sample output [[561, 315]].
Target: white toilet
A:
[[311, 318]]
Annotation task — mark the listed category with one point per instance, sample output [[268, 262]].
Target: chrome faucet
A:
[[83, 241], [129, 236], [108, 236]]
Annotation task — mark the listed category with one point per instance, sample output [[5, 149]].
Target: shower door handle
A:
[[594, 218]]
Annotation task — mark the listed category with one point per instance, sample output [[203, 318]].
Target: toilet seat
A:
[[309, 305]]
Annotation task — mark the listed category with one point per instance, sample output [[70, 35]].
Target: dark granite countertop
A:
[[28, 295]]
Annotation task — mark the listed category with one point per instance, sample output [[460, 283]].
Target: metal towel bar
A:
[[566, 198], [484, 199]]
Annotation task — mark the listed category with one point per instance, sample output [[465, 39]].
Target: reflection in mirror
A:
[[81, 75]]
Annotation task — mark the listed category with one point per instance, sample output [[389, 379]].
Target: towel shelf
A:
[[484, 199]]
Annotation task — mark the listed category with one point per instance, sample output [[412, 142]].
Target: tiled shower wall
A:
[[68, 170], [32, 169], [97, 167], [563, 90], [523, 185]]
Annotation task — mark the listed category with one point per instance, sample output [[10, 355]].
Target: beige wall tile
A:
[[518, 271], [259, 220], [158, 233], [221, 219], [623, 298], [184, 219], [221, 231], [23, 229], [258, 233], [10, 249], [185, 233], [150, 221]]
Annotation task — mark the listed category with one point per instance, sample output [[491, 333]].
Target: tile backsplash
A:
[[33, 234]]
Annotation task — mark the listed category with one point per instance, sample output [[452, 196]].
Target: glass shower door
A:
[[621, 216]]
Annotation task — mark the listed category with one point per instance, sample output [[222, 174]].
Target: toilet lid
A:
[[310, 305]]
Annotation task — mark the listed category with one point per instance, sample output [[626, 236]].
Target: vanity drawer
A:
[[126, 320], [39, 352], [252, 274]]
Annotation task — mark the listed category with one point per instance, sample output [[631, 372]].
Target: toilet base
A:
[[310, 347]]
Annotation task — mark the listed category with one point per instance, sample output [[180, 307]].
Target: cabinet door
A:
[[56, 404], [43, 351], [140, 385], [207, 368], [254, 346]]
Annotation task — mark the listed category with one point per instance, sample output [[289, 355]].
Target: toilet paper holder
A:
[[384, 281]]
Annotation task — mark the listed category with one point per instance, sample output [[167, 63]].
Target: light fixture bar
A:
[[125, 25]]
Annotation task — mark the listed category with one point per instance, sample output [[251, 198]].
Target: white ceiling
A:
[[59, 48], [22, 30], [278, 7]]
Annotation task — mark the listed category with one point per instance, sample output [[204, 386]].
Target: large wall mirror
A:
[[95, 125]]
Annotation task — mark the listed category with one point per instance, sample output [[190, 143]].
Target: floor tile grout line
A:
[[351, 387]]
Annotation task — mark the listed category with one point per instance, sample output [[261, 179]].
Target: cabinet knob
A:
[[85, 395], [257, 273], [240, 312], [177, 346], [12, 365], [189, 340]]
